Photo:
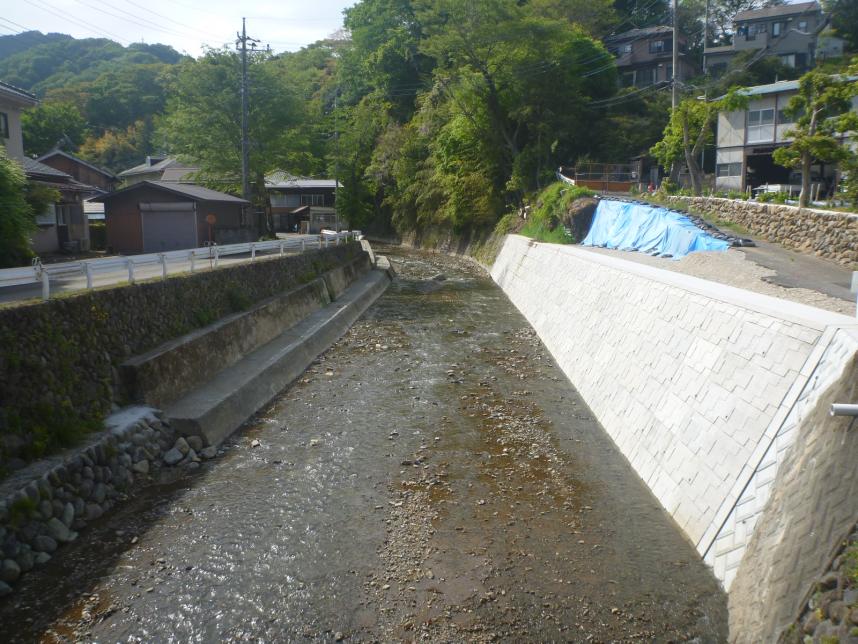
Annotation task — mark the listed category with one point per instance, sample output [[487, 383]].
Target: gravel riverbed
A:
[[432, 477]]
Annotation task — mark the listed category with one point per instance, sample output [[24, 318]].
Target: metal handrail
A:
[[89, 269]]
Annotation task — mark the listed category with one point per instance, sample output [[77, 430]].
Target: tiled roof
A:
[[16, 93], [197, 193], [67, 155], [286, 180], [778, 10], [640, 33]]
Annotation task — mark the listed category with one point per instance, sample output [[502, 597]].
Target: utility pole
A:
[[337, 161], [705, 35], [675, 60], [245, 141]]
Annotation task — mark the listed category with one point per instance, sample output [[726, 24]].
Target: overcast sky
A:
[[187, 25]]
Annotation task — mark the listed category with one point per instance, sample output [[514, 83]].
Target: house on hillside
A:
[[64, 225], [300, 204], [13, 101], [158, 216], [789, 31], [157, 169], [747, 139], [644, 56]]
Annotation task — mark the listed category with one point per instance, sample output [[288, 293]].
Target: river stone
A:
[[173, 456], [68, 514], [59, 531], [182, 445], [46, 509], [99, 493], [195, 442], [192, 457], [9, 571], [41, 558], [5, 589], [25, 560], [44, 543], [141, 467], [208, 452], [78, 507], [85, 488], [88, 473], [93, 511]]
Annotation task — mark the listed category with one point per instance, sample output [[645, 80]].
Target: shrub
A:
[[545, 222]]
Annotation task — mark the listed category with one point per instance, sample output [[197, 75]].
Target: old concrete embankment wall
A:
[[706, 389], [833, 235]]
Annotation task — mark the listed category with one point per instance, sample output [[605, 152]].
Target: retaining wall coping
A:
[[803, 314]]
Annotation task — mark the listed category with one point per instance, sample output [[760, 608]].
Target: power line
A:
[[58, 13]]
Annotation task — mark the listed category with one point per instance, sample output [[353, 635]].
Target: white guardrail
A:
[[128, 267]]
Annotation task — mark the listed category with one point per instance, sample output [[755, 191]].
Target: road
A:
[[433, 476], [71, 283]]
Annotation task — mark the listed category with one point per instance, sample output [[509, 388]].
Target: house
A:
[[747, 139], [12, 102], [80, 170], [644, 56], [156, 169], [158, 216], [64, 225], [300, 204], [789, 31]]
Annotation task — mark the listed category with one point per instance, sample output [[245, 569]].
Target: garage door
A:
[[168, 226]]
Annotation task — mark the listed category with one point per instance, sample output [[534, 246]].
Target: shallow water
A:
[[433, 476]]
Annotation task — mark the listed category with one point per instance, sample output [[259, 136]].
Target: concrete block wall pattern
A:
[[699, 384]]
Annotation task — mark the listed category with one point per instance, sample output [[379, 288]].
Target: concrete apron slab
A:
[[218, 408]]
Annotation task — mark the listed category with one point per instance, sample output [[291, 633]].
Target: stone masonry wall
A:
[[58, 359], [698, 384], [828, 234], [46, 504]]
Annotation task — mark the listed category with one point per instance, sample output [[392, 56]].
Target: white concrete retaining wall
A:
[[699, 384]]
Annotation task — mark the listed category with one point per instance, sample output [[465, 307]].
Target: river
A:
[[433, 476]]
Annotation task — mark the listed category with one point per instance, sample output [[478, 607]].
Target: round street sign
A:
[[210, 220]]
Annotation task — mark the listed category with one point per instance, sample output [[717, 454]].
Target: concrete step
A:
[[216, 409]]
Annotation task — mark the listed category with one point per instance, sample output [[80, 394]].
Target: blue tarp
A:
[[648, 229]]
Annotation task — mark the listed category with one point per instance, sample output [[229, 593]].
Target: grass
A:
[[545, 222]]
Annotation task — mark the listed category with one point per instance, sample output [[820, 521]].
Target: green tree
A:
[[203, 120], [822, 111], [844, 19], [52, 125], [16, 215], [689, 129]]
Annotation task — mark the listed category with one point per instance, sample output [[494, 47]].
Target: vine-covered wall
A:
[[58, 359]]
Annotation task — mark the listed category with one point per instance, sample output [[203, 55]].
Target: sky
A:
[[186, 25]]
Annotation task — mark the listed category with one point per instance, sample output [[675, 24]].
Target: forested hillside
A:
[[99, 98], [434, 115]]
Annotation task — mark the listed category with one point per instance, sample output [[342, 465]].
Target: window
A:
[[802, 25], [4, 125], [761, 125], [626, 49], [47, 218], [729, 169], [627, 79], [659, 46], [62, 215], [777, 29], [645, 77], [788, 60], [312, 200], [668, 73]]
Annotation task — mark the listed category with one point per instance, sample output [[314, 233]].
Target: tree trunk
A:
[[695, 172], [804, 197]]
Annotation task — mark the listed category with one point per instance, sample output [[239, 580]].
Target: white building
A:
[[746, 140]]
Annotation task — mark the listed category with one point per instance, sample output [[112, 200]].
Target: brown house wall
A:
[[124, 229], [80, 172]]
